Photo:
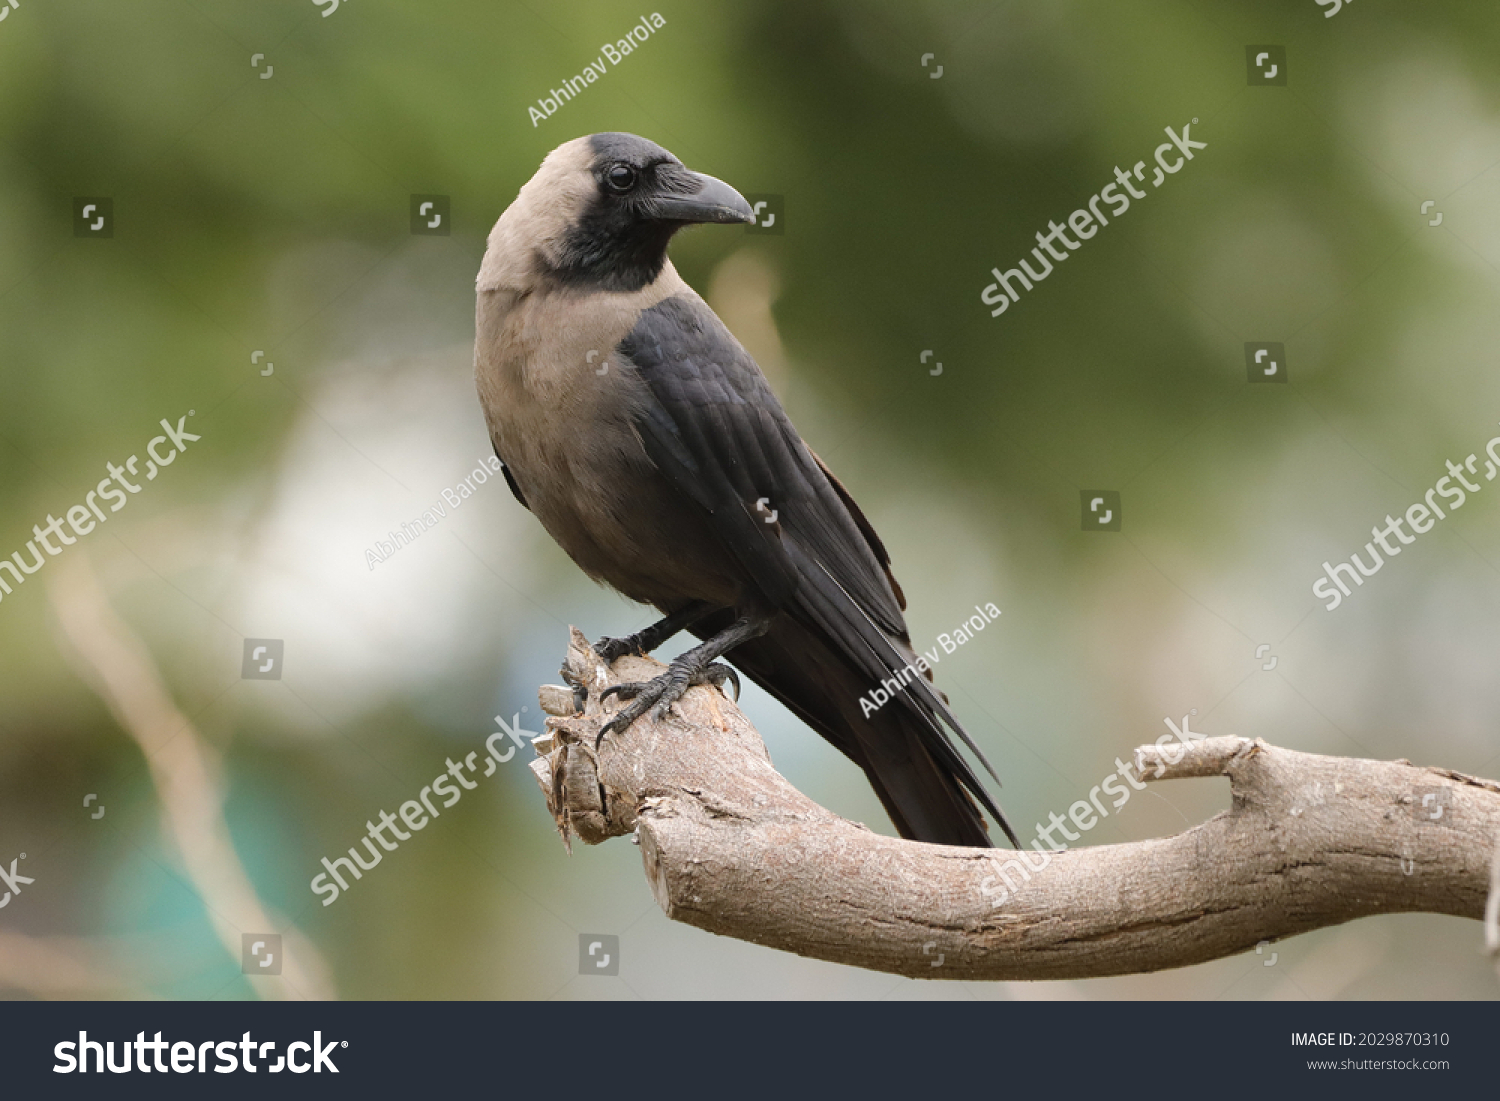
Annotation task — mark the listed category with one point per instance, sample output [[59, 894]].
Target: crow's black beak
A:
[[712, 201]]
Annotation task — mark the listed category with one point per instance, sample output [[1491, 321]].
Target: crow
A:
[[646, 440]]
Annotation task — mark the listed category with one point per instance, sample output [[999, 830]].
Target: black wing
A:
[[713, 427]]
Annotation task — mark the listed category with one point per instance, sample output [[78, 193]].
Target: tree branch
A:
[[731, 847]]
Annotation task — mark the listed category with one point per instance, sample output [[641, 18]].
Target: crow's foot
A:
[[663, 692], [611, 650]]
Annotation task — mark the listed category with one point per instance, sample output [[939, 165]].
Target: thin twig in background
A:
[[187, 778]]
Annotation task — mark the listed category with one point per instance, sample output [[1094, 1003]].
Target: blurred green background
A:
[[271, 213]]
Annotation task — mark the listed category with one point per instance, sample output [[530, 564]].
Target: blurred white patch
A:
[[377, 449], [1430, 129]]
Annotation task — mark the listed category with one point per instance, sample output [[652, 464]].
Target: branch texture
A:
[[731, 847]]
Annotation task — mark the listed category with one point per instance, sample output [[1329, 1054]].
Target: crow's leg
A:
[[643, 642], [697, 666]]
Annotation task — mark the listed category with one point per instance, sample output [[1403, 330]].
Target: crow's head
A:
[[600, 212]]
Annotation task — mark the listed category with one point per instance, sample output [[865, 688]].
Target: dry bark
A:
[[731, 847]]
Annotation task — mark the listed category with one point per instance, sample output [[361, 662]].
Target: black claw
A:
[[580, 690], [718, 674], [626, 690], [634, 710]]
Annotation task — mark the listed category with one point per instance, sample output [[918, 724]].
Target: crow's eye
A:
[[620, 178]]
